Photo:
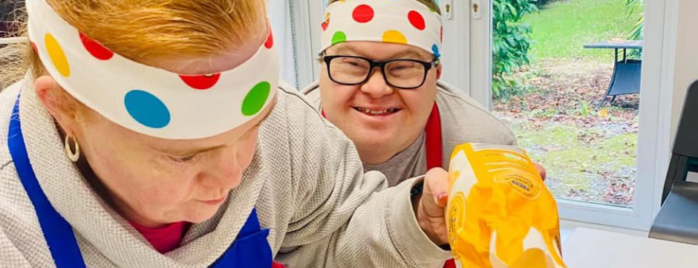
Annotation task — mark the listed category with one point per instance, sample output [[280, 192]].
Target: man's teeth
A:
[[374, 112]]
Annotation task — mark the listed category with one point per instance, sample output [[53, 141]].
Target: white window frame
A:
[[654, 141]]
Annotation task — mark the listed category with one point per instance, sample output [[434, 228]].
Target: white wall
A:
[[686, 64]]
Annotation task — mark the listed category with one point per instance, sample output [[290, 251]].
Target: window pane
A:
[[569, 89]]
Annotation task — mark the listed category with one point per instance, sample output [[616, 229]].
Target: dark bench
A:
[[626, 72]]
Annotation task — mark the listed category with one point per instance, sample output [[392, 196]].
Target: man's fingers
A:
[[436, 186], [541, 170]]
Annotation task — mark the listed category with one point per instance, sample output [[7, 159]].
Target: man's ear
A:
[[57, 101], [439, 69]]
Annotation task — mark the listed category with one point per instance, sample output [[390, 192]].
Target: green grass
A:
[[575, 164], [560, 29]]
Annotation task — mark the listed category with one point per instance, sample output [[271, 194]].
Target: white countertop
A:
[[600, 249]]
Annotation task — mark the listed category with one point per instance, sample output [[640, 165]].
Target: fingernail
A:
[[440, 196]]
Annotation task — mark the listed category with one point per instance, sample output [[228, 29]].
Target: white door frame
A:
[[456, 45], [481, 53], [654, 141]]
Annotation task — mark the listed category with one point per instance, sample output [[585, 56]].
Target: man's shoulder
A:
[[295, 121], [312, 93], [466, 120], [295, 105], [450, 95]]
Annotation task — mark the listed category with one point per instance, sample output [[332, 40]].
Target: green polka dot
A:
[[339, 37], [255, 99]]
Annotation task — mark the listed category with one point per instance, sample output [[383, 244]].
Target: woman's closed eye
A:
[[184, 159]]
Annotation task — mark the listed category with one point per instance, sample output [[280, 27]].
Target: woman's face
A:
[[154, 181]]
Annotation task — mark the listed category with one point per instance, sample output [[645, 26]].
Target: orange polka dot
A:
[[393, 36], [58, 58]]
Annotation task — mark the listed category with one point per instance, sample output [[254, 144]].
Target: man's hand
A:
[[430, 207], [541, 170]]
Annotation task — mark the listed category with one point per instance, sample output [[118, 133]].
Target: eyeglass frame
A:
[[381, 64]]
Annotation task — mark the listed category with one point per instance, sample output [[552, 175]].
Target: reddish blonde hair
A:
[[148, 30]]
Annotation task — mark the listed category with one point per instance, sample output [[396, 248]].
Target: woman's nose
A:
[[222, 172]]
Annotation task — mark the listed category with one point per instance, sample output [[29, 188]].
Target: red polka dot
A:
[[417, 20], [326, 23], [270, 40], [96, 49], [201, 82], [363, 14]]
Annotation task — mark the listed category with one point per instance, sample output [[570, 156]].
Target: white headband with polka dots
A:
[[146, 99], [390, 21]]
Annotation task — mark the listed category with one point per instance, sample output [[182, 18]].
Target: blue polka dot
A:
[[435, 49], [147, 109]]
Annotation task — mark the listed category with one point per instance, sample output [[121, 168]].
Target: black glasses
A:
[[399, 73]]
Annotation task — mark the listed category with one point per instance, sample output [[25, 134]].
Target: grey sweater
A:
[[306, 182]]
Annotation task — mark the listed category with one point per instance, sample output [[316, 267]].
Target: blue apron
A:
[[250, 249]]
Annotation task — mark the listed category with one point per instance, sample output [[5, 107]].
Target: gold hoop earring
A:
[[72, 155]]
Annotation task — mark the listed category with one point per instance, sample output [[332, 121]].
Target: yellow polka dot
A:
[[55, 52], [393, 36]]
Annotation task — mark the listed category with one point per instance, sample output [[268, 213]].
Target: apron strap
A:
[[250, 248], [434, 144], [57, 231], [251, 225]]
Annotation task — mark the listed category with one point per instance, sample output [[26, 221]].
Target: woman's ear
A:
[[56, 100]]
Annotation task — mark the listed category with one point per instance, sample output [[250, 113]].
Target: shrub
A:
[[510, 44]]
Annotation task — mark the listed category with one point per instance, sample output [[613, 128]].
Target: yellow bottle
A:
[[499, 213]]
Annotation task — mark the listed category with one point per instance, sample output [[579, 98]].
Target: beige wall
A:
[[686, 65]]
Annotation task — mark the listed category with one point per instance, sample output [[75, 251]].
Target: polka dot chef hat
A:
[[389, 21], [146, 99]]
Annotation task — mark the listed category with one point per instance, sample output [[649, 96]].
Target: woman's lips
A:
[[214, 201]]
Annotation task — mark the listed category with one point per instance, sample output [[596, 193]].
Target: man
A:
[[379, 84]]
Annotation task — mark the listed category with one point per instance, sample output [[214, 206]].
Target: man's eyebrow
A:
[[354, 52]]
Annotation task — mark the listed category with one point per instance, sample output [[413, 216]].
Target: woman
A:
[[152, 134]]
